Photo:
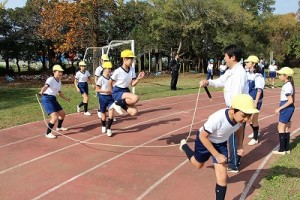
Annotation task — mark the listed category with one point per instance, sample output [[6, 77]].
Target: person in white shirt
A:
[[124, 77], [256, 84], [51, 88], [272, 73], [81, 84], [222, 67], [211, 139], [210, 69], [105, 98], [98, 73], [234, 81]]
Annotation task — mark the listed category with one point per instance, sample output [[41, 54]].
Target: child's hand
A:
[[68, 99], [277, 110], [141, 75], [77, 89], [108, 92], [221, 158], [203, 83]]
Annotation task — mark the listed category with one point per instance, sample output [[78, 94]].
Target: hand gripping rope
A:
[[117, 145]]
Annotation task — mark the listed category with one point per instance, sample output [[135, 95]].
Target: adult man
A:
[[234, 81], [174, 66]]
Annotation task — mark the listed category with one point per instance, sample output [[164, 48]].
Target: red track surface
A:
[[35, 167]]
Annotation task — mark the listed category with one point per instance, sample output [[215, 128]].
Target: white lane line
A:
[[152, 187]]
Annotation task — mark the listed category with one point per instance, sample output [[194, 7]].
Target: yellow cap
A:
[[244, 103], [253, 59], [82, 63], [57, 68], [286, 70], [127, 54], [104, 57], [107, 65]]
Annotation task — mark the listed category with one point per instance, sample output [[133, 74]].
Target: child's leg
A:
[[130, 98], [282, 136], [221, 176], [51, 123], [61, 116], [132, 110], [85, 101], [255, 126], [287, 137], [190, 154]]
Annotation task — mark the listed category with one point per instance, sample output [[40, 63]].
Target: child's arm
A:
[[140, 76], [76, 83], [289, 102], [63, 96], [208, 145], [259, 91], [239, 135]]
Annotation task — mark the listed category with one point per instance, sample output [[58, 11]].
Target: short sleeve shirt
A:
[[82, 76], [102, 82], [286, 90], [98, 71], [54, 86], [122, 77]]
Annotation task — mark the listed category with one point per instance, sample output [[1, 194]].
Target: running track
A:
[[33, 167]]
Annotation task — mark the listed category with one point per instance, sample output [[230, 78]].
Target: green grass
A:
[[18, 105]]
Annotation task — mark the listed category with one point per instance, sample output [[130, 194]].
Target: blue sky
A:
[[281, 6]]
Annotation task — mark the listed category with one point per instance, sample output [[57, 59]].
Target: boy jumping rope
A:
[[211, 139]]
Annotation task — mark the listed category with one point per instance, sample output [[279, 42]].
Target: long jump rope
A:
[[127, 146]]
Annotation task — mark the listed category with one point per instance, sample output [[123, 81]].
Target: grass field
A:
[[18, 105]]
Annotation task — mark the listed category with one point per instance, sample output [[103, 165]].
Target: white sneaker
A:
[[78, 109], [87, 113], [251, 135], [109, 133], [50, 136], [62, 129], [182, 142], [117, 108], [103, 130], [114, 119], [252, 142], [99, 114], [277, 152], [288, 152]]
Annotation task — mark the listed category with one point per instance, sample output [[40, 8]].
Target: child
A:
[[222, 67], [105, 98], [286, 109], [256, 84], [210, 69], [124, 77], [50, 103], [81, 85], [211, 139], [272, 73], [98, 73]]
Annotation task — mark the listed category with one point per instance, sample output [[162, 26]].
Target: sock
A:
[[60, 121], [122, 103], [281, 142], [110, 121], [255, 132], [287, 141], [85, 106], [188, 151], [50, 127], [81, 104], [220, 192]]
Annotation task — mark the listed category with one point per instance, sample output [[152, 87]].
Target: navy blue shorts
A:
[[83, 87], [272, 74], [117, 92], [50, 104], [286, 114], [202, 154], [105, 102]]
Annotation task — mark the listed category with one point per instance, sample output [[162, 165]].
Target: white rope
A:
[[117, 145]]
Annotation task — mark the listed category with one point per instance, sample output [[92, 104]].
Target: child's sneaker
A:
[[109, 133], [251, 135], [114, 119], [232, 170], [252, 142], [103, 130], [288, 152], [277, 152], [87, 113], [50, 136], [62, 129], [182, 142], [78, 109], [117, 108]]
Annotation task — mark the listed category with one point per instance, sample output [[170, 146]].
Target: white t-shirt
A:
[[122, 77], [258, 80], [82, 77], [98, 71], [234, 81], [54, 86], [219, 126], [223, 68], [102, 82], [210, 68], [286, 90], [272, 68]]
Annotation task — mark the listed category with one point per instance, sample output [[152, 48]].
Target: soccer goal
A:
[[92, 55]]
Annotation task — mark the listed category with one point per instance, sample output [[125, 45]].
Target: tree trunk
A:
[[19, 70]]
